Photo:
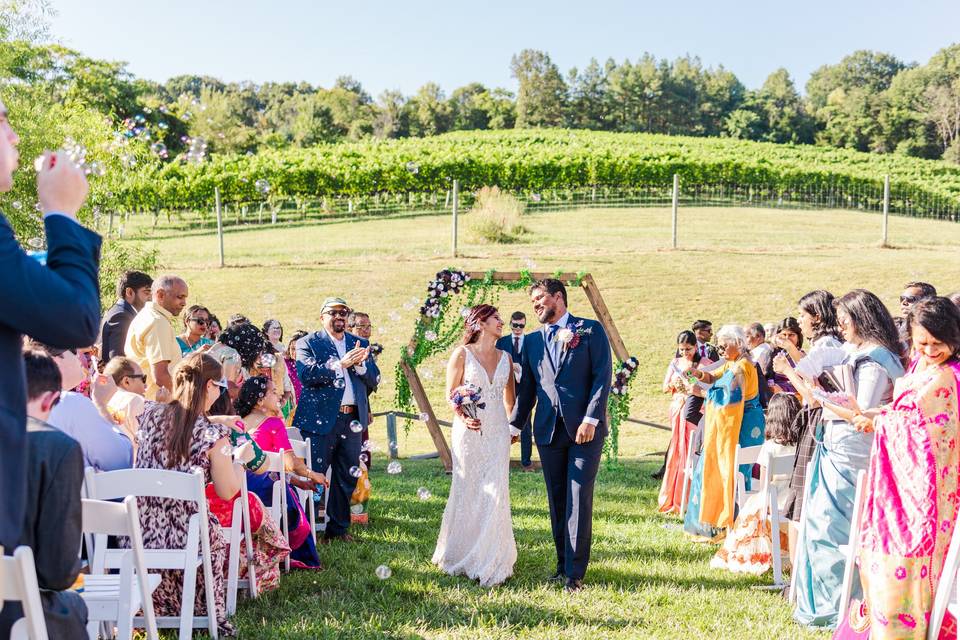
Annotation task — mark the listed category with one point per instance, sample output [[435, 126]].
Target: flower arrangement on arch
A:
[[621, 377], [447, 283]]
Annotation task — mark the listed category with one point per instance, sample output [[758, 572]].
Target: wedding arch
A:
[[437, 329]]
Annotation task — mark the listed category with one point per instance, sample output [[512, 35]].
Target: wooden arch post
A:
[[589, 286]]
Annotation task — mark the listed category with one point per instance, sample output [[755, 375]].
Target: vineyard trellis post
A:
[[456, 212], [676, 200], [886, 208], [216, 199]]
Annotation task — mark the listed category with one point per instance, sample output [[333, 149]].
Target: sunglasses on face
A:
[[517, 325], [338, 313], [909, 299], [200, 321], [142, 377]]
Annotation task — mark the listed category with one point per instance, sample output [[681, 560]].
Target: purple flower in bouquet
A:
[[466, 401]]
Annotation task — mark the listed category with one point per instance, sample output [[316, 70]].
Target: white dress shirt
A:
[[348, 396]]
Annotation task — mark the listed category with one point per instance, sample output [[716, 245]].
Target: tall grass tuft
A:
[[495, 217]]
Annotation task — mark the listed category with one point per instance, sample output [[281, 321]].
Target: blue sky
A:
[[402, 45]]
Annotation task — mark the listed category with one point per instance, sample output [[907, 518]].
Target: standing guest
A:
[[133, 292], [274, 332], [817, 317], [359, 324], [748, 548], [910, 507], [913, 292], [87, 420], [337, 373], [513, 344], [152, 339], [214, 328], [179, 436], [58, 303], [52, 526], [760, 350], [126, 405], [686, 411], [873, 362], [195, 323], [788, 339], [703, 329], [290, 358], [259, 406], [733, 416]]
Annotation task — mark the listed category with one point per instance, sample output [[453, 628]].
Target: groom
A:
[[566, 373]]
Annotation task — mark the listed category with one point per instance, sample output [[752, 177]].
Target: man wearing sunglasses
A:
[[337, 374], [913, 292], [513, 344]]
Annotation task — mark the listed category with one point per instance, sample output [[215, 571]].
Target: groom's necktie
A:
[[551, 343]]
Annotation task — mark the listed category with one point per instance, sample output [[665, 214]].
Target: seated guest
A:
[[910, 506], [871, 365], [733, 416], [788, 340], [52, 526], [179, 436], [686, 411], [259, 406], [760, 350], [133, 292], [195, 322], [126, 405], [214, 329], [748, 548], [152, 339], [87, 420], [290, 358]]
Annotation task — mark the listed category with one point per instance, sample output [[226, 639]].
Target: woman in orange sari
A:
[[910, 506], [686, 411]]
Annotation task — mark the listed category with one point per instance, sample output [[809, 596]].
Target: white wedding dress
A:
[[476, 535]]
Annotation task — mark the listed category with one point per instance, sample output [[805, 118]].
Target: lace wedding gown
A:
[[476, 535]]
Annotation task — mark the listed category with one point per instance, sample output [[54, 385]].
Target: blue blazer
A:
[[58, 304], [505, 343], [320, 400], [576, 389]]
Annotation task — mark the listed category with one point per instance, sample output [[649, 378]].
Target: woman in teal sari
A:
[[875, 361]]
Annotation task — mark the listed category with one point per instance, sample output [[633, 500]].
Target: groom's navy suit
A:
[[323, 416], [568, 386]]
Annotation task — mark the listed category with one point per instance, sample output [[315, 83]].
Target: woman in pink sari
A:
[[686, 412], [911, 499]]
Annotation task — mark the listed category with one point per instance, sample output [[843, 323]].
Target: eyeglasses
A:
[[517, 325], [909, 299], [200, 321], [338, 313], [142, 377]]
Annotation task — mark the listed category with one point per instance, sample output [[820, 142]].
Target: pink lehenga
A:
[[910, 509]]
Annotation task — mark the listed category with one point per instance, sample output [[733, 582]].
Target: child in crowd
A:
[[748, 547]]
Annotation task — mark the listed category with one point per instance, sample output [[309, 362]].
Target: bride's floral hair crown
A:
[[472, 325]]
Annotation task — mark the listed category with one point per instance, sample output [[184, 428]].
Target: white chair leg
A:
[[233, 563], [774, 512], [189, 594], [948, 582], [853, 546]]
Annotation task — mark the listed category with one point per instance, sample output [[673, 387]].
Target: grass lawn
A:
[[645, 580]]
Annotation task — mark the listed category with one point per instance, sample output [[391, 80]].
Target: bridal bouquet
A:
[[466, 401]]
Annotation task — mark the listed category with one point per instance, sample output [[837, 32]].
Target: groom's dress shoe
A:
[[573, 585], [557, 577]]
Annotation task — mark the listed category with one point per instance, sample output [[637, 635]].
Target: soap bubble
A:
[[424, 494], [35, 243], [17, 205], [160, 149], [333, 363], [394, 468], [383, 572], [356, 509], [262, 186], [413, 168], [356, 427], [211, 434], [356, 472], [423, 417], [339, 383], [269, 298], [430, 336]]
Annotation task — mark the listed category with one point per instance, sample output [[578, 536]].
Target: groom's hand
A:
[[585, 432]]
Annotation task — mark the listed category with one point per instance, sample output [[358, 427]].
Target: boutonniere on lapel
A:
[[569, 336]]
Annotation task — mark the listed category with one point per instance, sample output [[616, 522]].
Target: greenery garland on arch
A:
[[440, 325]]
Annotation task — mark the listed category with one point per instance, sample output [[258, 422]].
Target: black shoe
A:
[[573, 585], [557, 577], [659, 474]]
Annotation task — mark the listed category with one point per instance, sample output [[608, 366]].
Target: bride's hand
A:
[[472, 423]]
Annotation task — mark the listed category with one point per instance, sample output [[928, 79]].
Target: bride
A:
[[476, 536]]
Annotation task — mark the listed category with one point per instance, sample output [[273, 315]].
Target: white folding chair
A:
[[792, 595], [118, 597], [850, 549], [294, 434], [240, 533], [945, 599], [171, 485], [278, 504], [301, 449], [744, 455], [316, 523], [777, 466], [18, 583], [687, 473]]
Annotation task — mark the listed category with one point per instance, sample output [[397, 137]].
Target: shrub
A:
[[117, 257], [495, 217]]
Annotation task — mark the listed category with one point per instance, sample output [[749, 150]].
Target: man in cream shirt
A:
[[152, 337]]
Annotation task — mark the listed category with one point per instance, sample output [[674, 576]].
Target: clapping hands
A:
[[354, 357]]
